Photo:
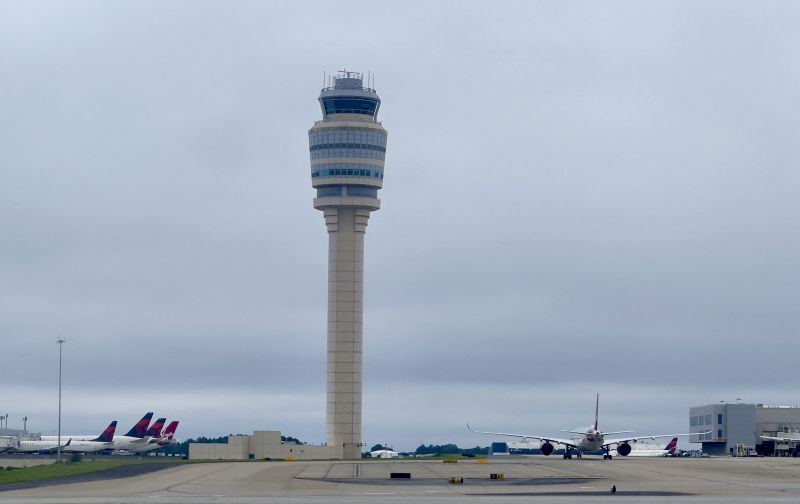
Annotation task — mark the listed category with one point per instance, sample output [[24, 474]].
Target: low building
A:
[[8, 443], [384, 454], [261, 445], [736, 429]]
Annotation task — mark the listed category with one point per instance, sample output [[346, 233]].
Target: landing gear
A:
[[608, 455], [567, 454]]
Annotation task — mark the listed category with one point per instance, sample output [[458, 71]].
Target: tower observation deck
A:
[[347, 147]]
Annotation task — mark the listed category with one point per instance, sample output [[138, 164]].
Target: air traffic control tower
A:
[[348, 147]]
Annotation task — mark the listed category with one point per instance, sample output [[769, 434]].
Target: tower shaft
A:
[[346, 227]]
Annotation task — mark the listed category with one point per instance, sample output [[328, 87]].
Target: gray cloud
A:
[[576, 193]]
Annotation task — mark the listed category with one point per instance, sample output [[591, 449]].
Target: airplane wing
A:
[[566, 442], [634, 439], [783, 439]]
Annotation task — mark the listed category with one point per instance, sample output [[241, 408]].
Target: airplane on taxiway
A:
[[592, 439], [649, 450]]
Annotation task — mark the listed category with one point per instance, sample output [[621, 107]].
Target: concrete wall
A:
[[741, 425], [261, 445], [18, 461], [236, 449], [265, 445], [774, 420], [310, 452]]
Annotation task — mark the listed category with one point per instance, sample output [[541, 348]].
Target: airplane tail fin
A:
[[168, 434], [171, 428], [107, 435], [596, 410], [139, 430], [155, 429], [672, 446]]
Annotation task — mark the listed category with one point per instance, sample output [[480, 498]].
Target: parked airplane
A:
[[155, 428], [168, 437], [101, 442], [652, 451], [41, 446], [158, 441], [134, 436], [591, 440]]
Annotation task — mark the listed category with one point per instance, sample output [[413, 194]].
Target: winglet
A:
[[596, 410]]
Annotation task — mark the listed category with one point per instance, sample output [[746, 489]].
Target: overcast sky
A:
[[579, 197]]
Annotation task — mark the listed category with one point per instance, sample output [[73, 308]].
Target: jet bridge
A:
[[8, 443]]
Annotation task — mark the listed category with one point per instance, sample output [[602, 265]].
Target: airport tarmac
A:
[[540, 479]]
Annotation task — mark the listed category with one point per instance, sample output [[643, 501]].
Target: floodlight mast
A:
[[60, 344]]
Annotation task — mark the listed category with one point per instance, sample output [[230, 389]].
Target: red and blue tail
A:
[[155, 429], [108, 435], [672, 446], [140, 429]]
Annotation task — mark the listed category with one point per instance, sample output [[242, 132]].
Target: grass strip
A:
[[52, 471]]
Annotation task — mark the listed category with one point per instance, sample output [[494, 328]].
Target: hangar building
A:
[[735, 429]]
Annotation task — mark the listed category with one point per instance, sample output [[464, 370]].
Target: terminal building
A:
[[737, 429]]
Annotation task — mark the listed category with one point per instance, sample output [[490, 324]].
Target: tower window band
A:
[[349, 105]]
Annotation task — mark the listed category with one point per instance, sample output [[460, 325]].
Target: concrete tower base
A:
[[346, 228]]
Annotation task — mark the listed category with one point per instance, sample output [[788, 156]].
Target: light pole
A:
[[25, 424], [60, 344]]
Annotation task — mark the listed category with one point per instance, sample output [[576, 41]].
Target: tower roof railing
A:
[[348, 80], [359, 88]]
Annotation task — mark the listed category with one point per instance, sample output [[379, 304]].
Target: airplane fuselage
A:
[[591, 441], [131, 443], [41, 446], [118, 443], [86, 446]]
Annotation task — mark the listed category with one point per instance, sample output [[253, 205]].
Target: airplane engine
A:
[[624, 449], [547, 448]]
